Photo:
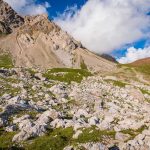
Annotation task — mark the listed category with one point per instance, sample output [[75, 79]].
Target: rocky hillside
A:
[[71, 109], [142, 65], [145, 61], [9, 19], [40, 43]]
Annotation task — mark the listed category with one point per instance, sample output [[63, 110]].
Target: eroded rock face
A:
[[9, 19]]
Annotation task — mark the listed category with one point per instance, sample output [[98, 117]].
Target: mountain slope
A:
[[142, 65], [41, 43], [140, 62]]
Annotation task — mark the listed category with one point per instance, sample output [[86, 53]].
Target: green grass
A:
[[144, 69], [67, 74], [6, 61], [134, 133], [60, 138], [55, 140], [32, 113], [145, 91], [117, 83], [95, 135], [9, 90], [11, 80], [6, 139]]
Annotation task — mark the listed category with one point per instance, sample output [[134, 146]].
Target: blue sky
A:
[[58, 6], [117, 27]]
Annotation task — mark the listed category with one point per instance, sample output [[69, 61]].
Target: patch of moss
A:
[[119, 83], [67, 74], [6, 61], [1, 109], [32, 113]]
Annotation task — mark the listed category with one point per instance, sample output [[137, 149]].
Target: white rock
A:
[[122, 137], [93, 120], [76, 135]]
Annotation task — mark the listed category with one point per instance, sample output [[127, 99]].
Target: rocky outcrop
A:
[[9, 19]]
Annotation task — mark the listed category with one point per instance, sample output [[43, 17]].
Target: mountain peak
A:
[[9, 19], [39, 42]]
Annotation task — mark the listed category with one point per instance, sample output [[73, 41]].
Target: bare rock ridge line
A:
[[9, 19], [35, 41]]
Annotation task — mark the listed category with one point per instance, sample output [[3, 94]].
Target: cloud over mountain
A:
[[134, 54], [105, 25], [28, 7]]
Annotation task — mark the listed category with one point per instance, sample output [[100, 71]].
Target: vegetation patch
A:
[[8, 89], [134, 133], [67, 74], [10, 80], [94, 135], [57, 139], [54, 140], [117, 83], [145, 68], [145, 91], [6, 139], [6, 61], [31, 71], [32, 113]]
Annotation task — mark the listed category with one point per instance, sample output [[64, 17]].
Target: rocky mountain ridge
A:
[[40, 43], [9, 19]]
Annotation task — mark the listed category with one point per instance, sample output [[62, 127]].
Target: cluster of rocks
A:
[[31, 105]]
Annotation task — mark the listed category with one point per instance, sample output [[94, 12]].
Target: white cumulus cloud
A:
[[28, 7], [134, 54], [105, 25]]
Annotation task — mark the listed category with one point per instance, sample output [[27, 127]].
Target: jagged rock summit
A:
[[38, 42], [9, 19]]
